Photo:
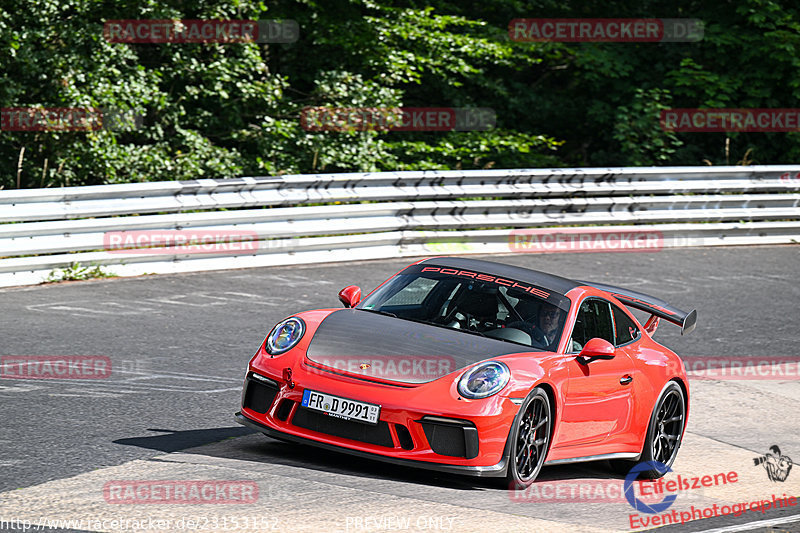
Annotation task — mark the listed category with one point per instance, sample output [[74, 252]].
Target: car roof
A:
[[527, 275]]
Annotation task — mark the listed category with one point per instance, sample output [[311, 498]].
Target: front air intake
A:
[[404, 437], [450, 436], [284, 409], [259, 393]]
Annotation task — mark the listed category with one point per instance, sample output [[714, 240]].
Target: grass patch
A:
[[77, 272]]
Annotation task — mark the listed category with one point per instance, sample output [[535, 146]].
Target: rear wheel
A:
[[664, 434], [531, 439]]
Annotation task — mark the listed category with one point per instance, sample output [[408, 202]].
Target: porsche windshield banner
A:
[[556, 299]]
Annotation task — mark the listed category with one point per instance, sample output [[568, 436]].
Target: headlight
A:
[[484, 380], [285, 335]]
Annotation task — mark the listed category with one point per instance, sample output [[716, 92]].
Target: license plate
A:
[[343, 408]]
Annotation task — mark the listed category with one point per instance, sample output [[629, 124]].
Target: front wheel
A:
[[531, 439], [664, 434]]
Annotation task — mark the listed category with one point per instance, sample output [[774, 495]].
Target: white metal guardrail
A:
[[340, 217]]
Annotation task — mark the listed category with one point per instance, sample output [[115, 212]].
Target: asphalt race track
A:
[[179, 346]]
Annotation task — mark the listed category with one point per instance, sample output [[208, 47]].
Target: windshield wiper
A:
[[473, 332]]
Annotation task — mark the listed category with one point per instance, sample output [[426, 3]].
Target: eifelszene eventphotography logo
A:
[[653, 499]]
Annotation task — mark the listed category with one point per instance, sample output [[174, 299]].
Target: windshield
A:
[[485, 308]]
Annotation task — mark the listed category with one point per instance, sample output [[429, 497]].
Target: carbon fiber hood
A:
[[383, 347]]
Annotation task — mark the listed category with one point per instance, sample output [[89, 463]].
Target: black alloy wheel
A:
[[531, 439]]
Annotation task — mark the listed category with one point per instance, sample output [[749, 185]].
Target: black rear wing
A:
[[650, 304]]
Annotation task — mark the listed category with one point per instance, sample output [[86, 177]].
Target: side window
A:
[[594, 320], [626, 329]]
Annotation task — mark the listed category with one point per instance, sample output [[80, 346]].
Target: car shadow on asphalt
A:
[[170, 440], [248, 445]]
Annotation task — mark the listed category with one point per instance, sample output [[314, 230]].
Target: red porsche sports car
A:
[[474, 367]]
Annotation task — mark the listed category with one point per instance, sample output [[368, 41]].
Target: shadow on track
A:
[[173, 441], [261, 449]]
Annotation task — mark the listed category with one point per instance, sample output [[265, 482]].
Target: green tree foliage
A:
[[641, 138], [222, 110], [747, 59]]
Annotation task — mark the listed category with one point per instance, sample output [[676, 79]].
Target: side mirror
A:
[[350, 295], [596, 349]]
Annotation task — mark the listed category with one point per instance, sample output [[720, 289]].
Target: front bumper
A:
[[419, 426], [498, 470]]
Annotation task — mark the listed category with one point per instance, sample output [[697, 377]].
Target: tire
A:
[[664, 434], [530, 440]]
